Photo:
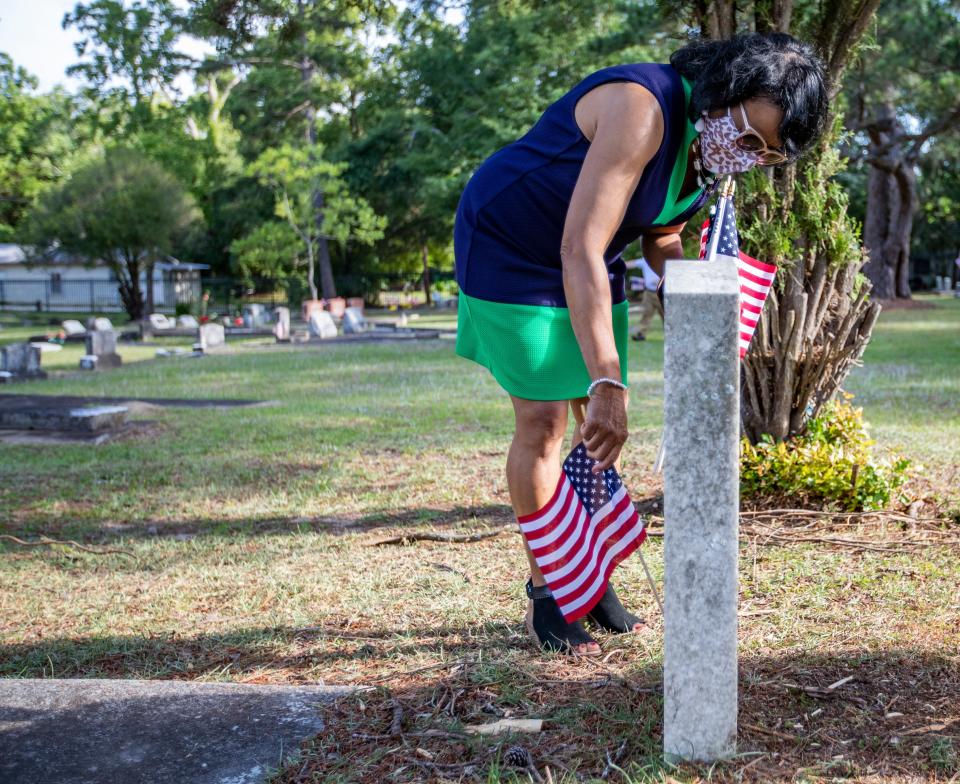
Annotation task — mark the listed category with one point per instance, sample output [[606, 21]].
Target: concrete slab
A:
[[151, 732]]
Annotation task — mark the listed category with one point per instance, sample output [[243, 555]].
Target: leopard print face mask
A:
[[718, 146]]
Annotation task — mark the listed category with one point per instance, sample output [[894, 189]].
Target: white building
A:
[[62, 283]]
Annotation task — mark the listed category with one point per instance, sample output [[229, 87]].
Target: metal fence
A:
[[224, 295], [86, 295]]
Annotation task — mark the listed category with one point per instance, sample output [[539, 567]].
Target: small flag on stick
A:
[[588, 527], [756, 277]]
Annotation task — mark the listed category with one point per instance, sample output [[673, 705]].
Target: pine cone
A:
[[518, 757]]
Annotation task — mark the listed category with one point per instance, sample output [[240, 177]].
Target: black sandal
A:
[[547, 628], [609, 614]]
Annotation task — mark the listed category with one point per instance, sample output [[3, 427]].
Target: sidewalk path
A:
[[151, 732]]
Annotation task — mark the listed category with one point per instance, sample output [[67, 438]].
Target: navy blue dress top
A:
[[510, 219]]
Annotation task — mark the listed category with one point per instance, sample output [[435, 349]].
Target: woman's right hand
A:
[[604, 428]]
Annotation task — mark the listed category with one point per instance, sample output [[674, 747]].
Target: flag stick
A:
[[650, 582]]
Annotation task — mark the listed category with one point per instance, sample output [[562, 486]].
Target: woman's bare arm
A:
[[627, 129], [661, 245]]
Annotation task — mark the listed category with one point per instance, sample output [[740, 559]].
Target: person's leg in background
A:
[[649, 304]]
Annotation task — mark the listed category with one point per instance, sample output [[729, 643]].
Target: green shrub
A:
[[831, 464]]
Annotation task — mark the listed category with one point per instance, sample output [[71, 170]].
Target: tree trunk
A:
[[907, 185], [327, 285], [128, 285], [151, 308], [881, 190], [891, 201], [307, 69], [311, 282], [426, 273], [772, 15]]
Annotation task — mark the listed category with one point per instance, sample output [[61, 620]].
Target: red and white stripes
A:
[[577, 551]]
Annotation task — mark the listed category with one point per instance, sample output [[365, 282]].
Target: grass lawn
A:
[[252, 536]]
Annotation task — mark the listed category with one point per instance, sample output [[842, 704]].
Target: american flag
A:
[[588, 527], [756, 277]]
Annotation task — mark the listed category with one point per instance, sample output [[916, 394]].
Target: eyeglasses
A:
[[752, 142]]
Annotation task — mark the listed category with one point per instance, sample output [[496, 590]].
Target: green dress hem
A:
[[531, 350]]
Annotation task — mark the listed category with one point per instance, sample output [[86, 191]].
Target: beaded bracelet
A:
[[599, 381]]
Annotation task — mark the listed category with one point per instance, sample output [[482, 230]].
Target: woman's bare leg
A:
[[578, 407], [533, 465]]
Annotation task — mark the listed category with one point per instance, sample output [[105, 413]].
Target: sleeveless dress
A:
[[512, 312]]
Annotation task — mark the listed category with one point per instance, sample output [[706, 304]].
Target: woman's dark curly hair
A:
[[775, 66]]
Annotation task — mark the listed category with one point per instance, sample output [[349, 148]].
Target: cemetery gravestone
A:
[[254, 315], [160, 321], [354, 322], [102, 324], [72, 327], [281, 329], [187, 321], [308, 307], [212, 336], [20, 362], [701, 509], [101, 353], [321, 325]]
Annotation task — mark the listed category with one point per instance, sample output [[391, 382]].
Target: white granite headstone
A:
[[354, 322], [321, 325], [160, 321], [212, 336], [73, 327], [254, 315], [102, 345], [701, 509], [281, 329]]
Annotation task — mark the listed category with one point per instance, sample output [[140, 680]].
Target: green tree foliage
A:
[[36, 144], [121, 209], [296, 175], [303, 63], [130, 59], [936, 234], [129, 55], [271, 251]]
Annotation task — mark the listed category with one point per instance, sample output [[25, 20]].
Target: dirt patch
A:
[[892, 718]]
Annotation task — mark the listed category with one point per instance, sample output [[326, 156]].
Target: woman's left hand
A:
[[604, 428]]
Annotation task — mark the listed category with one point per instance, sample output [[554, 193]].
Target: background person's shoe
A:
[[638, 335]]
